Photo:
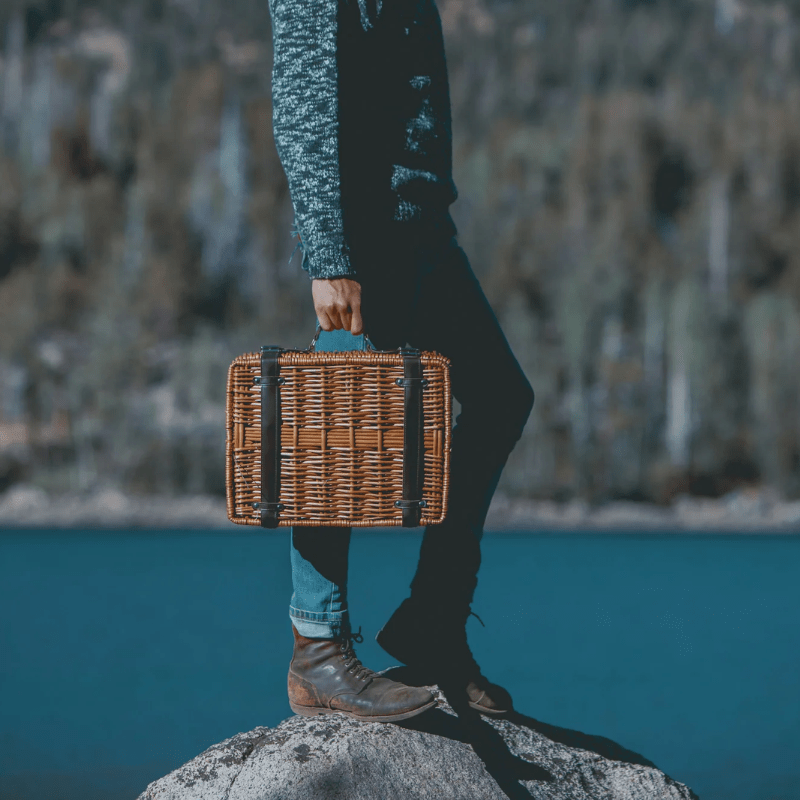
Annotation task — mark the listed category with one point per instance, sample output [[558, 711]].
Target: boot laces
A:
[[471, 614], [352, 662]]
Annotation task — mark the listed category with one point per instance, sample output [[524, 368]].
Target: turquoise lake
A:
[[127, 653]]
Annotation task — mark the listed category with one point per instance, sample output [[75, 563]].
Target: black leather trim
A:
[[412, 438], [270, 436]]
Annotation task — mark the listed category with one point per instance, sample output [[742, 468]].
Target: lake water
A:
[[125, 654]]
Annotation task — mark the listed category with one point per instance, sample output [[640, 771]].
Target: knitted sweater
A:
[[361, 119]]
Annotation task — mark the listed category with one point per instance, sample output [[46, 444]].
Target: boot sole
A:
[[489, 711], [313, 711], [379, 638]]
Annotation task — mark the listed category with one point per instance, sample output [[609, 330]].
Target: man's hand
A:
[[337, 302]]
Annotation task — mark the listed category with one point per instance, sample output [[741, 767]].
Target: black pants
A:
[[419, 289]]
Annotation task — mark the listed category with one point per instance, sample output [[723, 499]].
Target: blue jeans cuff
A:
[[316, 625]]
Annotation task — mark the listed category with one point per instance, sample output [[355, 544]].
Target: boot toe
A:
[[391, 701], [489, 698]]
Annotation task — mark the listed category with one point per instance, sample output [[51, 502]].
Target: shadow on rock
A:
[[471, 727], [607, 748]]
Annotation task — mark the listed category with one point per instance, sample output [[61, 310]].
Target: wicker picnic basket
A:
[[350, 438]]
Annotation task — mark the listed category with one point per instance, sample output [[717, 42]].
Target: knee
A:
[[517, 410], [517, 397], [527, 397], [504, 416]]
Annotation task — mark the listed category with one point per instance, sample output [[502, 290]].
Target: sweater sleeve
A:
[[305, 118]]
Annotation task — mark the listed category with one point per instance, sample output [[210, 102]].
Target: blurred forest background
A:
[[629, 196]]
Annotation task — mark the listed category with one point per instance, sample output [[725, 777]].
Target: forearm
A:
[[306, 128]]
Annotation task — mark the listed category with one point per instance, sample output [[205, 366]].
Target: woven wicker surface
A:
[[341, 437]]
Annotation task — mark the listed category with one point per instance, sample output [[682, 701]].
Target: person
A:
[[362, 126]]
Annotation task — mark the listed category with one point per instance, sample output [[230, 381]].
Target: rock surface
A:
[[440, 754]]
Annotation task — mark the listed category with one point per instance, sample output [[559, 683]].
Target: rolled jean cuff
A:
[[318, 625]]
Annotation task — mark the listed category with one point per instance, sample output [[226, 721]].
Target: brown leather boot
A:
[[433, 642], [326, 677]]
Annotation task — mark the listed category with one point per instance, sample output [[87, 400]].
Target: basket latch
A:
[[269, 380], [412, 383]]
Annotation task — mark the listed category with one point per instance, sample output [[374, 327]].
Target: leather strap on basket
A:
[[413, 382], [269, 381]]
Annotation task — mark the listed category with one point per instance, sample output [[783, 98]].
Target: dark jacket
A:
[[361, 118]]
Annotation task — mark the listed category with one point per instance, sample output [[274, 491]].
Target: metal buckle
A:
[[267, 506], [411, 381]]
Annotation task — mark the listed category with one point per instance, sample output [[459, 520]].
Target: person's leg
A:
[[454, 317], [318, 555], [451, 315], [325, 675]]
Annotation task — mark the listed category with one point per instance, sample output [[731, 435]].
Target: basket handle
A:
[[372, 347]]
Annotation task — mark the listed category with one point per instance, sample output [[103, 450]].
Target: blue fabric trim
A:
[[339, 340]]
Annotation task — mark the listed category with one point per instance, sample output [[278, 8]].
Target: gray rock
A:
[[439, 754]]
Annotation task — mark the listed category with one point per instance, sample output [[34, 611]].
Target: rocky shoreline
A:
[[449, 752], [745, 511]]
